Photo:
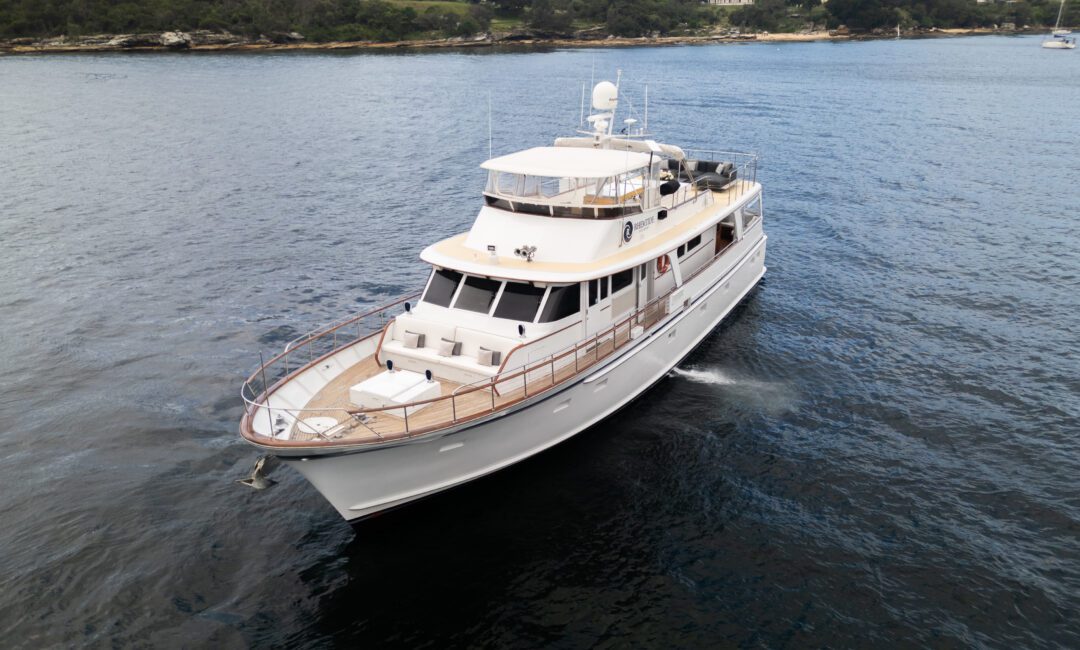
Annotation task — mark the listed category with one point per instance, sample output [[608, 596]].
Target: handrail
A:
[[618, 335], [308, 340], [506, 359]]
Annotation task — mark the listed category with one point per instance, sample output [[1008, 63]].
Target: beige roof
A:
[[573, 162]]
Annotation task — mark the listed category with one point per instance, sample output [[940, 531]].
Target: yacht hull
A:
[[364, 482]]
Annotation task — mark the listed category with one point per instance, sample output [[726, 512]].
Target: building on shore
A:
[[730, 3]]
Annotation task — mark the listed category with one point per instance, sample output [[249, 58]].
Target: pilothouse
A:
[[593, 267]]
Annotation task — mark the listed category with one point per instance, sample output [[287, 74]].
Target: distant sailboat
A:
[[1058, 40]]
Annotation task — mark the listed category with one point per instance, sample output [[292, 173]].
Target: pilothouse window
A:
[[477, 294], [562, 302], [440, 291], [519, 302]]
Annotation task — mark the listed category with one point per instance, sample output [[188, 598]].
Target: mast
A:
[[1061, 7], [618, 78]]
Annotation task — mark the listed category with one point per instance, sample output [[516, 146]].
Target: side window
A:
[[594, 289], [477, 294], [643, 271], [562, 302], [507, 183], [751, 213], [519, 301], [621, 280], [440, 291], [689, 246]]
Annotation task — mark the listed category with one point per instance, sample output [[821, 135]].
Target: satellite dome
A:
[[605, 96]]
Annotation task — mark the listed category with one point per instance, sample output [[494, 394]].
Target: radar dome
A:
[[605, 96]]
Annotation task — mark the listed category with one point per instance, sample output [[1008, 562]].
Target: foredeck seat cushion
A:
[[412, 340], [487, 357]]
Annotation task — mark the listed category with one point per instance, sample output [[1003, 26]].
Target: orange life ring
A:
[[663, 264]]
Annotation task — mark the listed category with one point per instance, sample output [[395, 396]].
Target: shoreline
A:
[[169, 42]]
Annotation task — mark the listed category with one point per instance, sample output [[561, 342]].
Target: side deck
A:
[[458, 402]]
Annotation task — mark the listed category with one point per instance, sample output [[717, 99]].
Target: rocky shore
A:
[[207, 41]]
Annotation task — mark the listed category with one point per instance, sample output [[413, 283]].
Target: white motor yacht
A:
[[593, 267]]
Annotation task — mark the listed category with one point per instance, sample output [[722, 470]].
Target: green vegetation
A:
[[318, 20], [384, 20], [867, 15]]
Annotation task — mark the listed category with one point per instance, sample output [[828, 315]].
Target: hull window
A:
[[690, 245]]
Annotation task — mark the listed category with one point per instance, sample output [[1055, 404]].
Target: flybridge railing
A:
[[745, 165]]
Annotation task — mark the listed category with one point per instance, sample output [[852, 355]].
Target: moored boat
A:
[[1059, 38], [593, 267]]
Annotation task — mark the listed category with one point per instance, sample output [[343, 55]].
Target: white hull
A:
[[1059, 45], [367, 481]]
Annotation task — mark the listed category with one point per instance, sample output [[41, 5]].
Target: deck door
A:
[[598, 317]]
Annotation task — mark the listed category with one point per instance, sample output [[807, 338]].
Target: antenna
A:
[[489, 125], [581, 120], [618, 78], [645, 126]]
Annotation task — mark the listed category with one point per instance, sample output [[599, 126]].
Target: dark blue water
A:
[[881, 446]]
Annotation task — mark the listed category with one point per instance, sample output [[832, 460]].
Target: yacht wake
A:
[[768, 397], [712, 376]]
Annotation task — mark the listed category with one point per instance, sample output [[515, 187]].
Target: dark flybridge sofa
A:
[[705, 173]]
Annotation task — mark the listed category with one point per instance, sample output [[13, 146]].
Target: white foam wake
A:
[[704, 376]]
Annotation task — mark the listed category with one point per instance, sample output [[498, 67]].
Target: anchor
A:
[[259, 479]]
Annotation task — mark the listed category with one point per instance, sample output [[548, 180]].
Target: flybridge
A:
[[594, 177], [571, 182]]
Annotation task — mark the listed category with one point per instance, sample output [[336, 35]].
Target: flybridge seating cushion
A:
[[715, 175], [712, 174]]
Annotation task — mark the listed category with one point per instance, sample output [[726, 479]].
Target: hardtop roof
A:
[[568, 162]]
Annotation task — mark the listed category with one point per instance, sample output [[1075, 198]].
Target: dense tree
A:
[[316, 19], [545, 17], [323, 20]]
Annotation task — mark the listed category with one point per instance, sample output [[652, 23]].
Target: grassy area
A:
[[505, 24], [420, 6]]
